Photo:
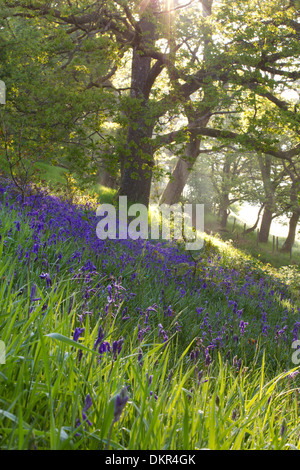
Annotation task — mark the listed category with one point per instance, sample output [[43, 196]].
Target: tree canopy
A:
[[121, 80]]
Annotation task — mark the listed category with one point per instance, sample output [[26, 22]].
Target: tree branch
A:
[[242, 139]]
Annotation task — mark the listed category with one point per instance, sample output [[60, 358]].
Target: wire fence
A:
[[275, 239]]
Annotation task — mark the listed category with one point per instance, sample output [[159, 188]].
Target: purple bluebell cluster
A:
[[138, 283]]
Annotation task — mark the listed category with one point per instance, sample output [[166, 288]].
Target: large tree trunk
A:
[[289, 242], [137, 174], [137, 161], [265, 225]]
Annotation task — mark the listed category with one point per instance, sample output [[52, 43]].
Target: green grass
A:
[[51, 173], [44, 388], [173, 404], [248, 243], [56, 175], [104, 195]]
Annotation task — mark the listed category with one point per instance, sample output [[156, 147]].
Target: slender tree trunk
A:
[[225, 190], [251, 229], [224, 210], [265, 225], [265, 164], [181, 173], [289, 242], [224, 218], [105, 178], [183, 167]]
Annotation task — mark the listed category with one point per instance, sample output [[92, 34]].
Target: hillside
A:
[[84, 318]]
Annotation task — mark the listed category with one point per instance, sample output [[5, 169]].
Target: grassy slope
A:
[[248, 243], [52, 174], [264, 252], [57, 175], [176, 400]]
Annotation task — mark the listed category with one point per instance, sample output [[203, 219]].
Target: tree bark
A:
[[224, 193], [181, 173], [290, 240], [265, 225], [138, 166], [183, 167], [105, 178], [224, 210], [265, 164], [251, 229]]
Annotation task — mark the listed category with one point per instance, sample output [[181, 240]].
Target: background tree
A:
[[242, 52], [292, 208], [256, 79], [56, 94]]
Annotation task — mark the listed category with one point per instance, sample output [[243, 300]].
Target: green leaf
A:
[[63, 339]]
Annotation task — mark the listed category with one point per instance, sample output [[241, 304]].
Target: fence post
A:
[[273, 244], [233, 224], [277, 244], [257, 236]]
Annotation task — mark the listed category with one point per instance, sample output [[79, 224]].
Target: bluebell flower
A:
[[155, 396], [243, 325], [99, 338], [48, 279], [77, 333], [117, 347], [120, 403]]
